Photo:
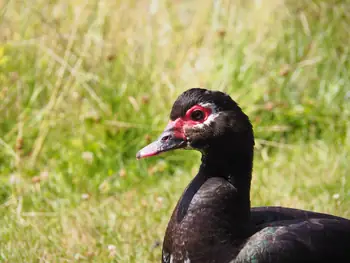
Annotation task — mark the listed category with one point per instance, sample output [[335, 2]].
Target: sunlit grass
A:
[[84, 85]]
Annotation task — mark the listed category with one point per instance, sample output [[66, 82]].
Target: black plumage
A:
[[213, 221]]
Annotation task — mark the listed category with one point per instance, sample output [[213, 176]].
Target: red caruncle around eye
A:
[[197, 114]]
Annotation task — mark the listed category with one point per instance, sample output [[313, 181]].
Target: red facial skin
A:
[[174, 130], [179, 124]]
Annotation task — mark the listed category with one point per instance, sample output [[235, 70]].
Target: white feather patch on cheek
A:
[[185, 128], [211, 106]]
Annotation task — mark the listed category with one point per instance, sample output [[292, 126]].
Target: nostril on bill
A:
[[165, 138]]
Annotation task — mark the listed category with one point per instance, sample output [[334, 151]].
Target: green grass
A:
[[84, 85]]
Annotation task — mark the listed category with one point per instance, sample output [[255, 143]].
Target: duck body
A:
[[204, 230], [213, 221], [208, 233]]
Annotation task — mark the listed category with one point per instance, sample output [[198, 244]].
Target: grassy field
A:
[[85, 84]]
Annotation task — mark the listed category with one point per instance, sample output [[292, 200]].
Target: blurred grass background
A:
[[85, 84]]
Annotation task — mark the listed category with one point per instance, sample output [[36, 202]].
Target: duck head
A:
[[203, 120]]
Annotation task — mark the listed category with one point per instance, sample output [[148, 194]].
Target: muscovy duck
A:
[[213, 221]]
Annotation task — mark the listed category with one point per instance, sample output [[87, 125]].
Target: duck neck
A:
[[236, 168]]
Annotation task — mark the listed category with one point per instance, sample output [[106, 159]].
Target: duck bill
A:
[[171, 138]]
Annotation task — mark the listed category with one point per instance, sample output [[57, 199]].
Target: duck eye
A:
[[197, 115]]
